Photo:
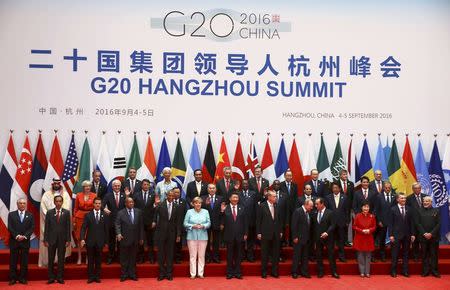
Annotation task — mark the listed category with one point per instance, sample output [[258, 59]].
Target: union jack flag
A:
[[252, 161]]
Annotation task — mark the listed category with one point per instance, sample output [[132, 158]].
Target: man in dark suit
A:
[[225, 185], [130, 233], [112, 203], [249, 200], [402, 233], [235, 224], [57, 238], [301, 238], [291, 189], [145, 201], [384, 202], [323, 228], [215, 205], [167, 231], [131, 184], [196, 188], [319, 187], [347, 187], [94, 234], [415, 201], [269, 230], [283, 211], [338, 203], [377, 184], [20, 227], [182, 209], [97, 186], [258, 183], [307, 195], [365, 194]]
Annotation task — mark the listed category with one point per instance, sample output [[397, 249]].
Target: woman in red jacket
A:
[[364, 226]]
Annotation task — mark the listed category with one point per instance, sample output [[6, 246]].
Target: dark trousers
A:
[[128, 261], [271, 247], [149, 242], [403, 243], [234, 257], [212, 248], [300, 257], [381, 237], [320, 245], [94, 256], [429, 256], [339, 238], [416, 249], [59, 247], [14, 255], [178, 247], [113, 245], [250, 248], [165, 255]]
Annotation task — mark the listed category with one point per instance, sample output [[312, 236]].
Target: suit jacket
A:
[[182, 208], [101, 191], [147, 208], [110, 201], [326, 225], [358, 199], [132, 232], [250, 203], [321, 190], [350, 191], [428, 221], [127, 183], [265, 225], [411, 201], [214, 212], [222, 189], [24, 228], [253, 185], [57, 231], [292, 196], [165, 227], [191, 191], [383, 208], [399, 227], [373, 186], [95, 234], [234, 230], [342, 212], [283, 208], [300, 227], [301, 201]]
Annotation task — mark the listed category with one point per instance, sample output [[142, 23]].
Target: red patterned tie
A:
[[234, 213]]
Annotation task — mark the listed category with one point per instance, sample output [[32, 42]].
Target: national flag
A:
[[296, 167], [163, 160], [309, 160], [7, 174], [357, 175], [387, 150], [148, 167], [35, 190], [252, 161], [55, 168], [238, 167], [119, 163], [135, 157], [281, 165], [439, 191], [223, 160], [338, 162], [194, 164], [103, 163], [422, 170], [365, 163], [209, 163], [323, 165], [403, 178], [70, 167], [179, 167], [23, 175], [380, 161], [267, 163], [393, 166], [446, 172], [351, 162], [85, 167]]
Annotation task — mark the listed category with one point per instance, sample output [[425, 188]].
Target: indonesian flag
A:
[[252, 161], [238, 163], [23, 175], [55, 167], [309, 162], [148, 168], [296, 167], [223, 161], [267, 163]]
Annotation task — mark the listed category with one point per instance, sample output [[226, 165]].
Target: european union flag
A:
[[163, 160]]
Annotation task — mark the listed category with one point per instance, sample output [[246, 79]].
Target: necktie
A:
[[199, 188], [307, 217], [234, 213], [418, 200], [319, 217], [246, 194], [365, 193], [212, 202], [259, 184], [21, 216], [315, 185], [132, 186], [379, 186], [145, 197], [272, 211], [336, 200], [387, 198], [403, 212], [130, 212], [96, 188], [57, 216], [289, 188], [345, 186], [228, 184], [97, 217], [117, 200], [170, 210]]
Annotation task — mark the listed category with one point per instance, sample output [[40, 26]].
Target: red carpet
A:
[[147, 270], [254, 283]]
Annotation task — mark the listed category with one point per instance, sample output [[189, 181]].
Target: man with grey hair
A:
[[377, 184], [383, 204], [225, 185], [20, 227], [165, 185], [415, 201]]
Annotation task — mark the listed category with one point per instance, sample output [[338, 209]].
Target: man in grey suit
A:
[[57, 238], [130, 232]]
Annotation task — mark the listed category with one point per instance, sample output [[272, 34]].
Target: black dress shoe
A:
[[251, 260], [217, 261], [170, 278], [177, 262], [160, 278], [60, 281], [23, 281], [122, 279], [275, 275], [238, 276], [307, 276], [294, 276], [51, 281], [152, 260], [425, 274], [229, 277], [281, 260], [373, 260], [89, 281], [406, 274], [109, 261], [264, 275], [320, 275], [436, 274], [12, 282], [343, 260], [134, 278], [335, 275], [383, 259], [97, 280], [393, 274]]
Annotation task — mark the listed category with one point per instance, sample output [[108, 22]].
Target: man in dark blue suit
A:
[[301, 238], [215, 205], [415, 201], [365, 194], [196, 187], [384, 202], [249, 200], [235, 224], [319, 187]]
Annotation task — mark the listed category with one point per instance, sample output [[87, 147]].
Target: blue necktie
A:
[[212, 202]]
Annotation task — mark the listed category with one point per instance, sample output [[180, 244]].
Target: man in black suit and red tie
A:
[[235, 224], [258, 183], [365, 194], [249, 200], [196, 188], [97, 186], [377, 184], [320, 188], [415, 201], [301, 238], [269, 229], [94, 235], [225, 186], [20, 227], [131, 184], [347, 189], [215, 205]]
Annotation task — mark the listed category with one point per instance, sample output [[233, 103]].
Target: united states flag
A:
[[70, 167]]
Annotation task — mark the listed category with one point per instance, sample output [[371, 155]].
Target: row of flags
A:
[[29, 178]]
